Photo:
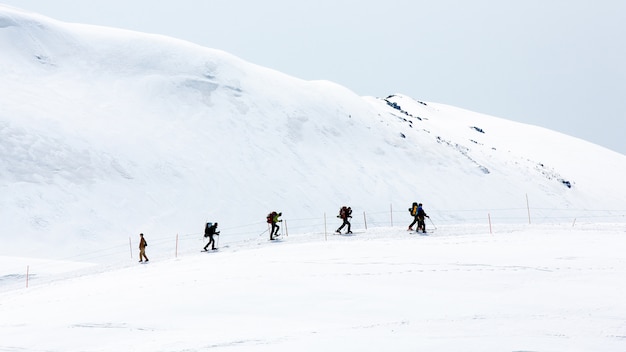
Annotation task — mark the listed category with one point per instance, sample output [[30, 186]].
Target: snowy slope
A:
[[106, 133], [525, 288], [557, 171]]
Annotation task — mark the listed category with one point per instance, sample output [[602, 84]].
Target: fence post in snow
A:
[[176, 253], [528, 207], [365, 220], [325, 233], [130, 246], [391, 213], [27, 270], [489, 217]]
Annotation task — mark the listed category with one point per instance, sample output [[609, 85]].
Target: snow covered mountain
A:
[[106, 133]]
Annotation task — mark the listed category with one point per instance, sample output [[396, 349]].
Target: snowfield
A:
[[521, 288], [106, 133]]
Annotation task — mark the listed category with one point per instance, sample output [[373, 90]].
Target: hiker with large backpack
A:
[[209, 231], [413, 211], [273, 219], [345, 213], [421, 214]]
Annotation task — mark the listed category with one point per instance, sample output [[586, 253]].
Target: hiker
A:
[[344, 214], [421, 214], [413, 210], [272, 218], [142, 248], [209, 231]]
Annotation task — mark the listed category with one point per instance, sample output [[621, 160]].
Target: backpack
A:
[[206, 229], [270, 217], [343, 212], [413, 209]]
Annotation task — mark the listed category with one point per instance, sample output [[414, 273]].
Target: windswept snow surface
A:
[[460, 288]]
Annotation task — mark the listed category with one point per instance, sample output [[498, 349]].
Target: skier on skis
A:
[[272, 218], [209, 231], [413, 210], [344, 214], [421, 214]]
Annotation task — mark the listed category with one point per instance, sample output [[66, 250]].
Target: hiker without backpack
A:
[[413, 210], [142, 248], [345, 213], [272, 218], [421, 214], [209, 231]]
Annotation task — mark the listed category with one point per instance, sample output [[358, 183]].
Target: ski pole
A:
[[432, 223], [261, 234]]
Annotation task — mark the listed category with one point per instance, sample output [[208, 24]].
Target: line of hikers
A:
[[345, 214], [273, 218]]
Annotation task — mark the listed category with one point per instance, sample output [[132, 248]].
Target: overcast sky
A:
[[559, 64]]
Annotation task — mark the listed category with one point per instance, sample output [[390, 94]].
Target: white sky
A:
[[558, 64]]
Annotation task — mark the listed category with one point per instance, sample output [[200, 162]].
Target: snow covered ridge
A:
[[105, 133]]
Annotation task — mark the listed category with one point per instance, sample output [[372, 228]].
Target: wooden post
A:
[[130, 246], [176, 255], [489, 217], [391, 213], [27, 270], [286, 230]]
